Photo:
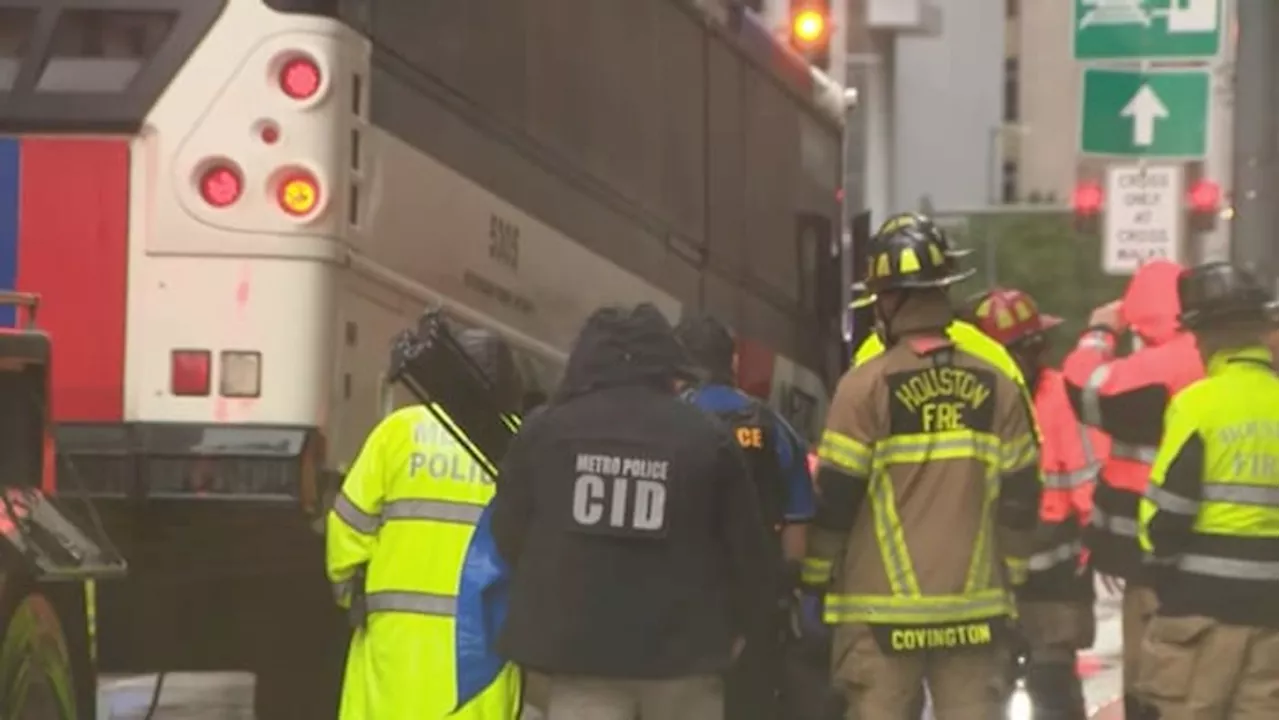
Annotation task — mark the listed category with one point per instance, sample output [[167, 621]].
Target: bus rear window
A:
[[15, 35], [97, 51]]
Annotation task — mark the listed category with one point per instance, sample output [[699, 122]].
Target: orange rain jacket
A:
[[1126, 398], [1070, 458]]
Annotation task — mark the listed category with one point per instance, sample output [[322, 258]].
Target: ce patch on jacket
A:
[[941, 399], [619, 490]]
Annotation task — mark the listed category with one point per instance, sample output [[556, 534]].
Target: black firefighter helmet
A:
[[909, 256], [1218, 291]]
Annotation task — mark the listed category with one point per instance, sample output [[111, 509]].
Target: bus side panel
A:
[[73, 251], [8, 221]]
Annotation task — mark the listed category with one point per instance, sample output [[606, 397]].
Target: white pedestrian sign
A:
[[1143, 217], [1145, 108]]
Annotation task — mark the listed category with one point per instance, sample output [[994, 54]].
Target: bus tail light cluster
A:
[[297, 192], [300, 77], [220, 183], [241, 374], [191, 373]]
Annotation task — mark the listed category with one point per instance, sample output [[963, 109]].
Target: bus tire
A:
[[45, 669]]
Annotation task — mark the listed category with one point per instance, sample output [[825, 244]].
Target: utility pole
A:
[[1256, 218]]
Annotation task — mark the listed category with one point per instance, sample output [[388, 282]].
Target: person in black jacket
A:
[[638, 555]]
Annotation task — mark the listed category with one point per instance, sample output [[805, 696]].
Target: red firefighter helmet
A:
[[1011, 316]]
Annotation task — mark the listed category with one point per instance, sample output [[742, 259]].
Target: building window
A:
[[1011, 9], [1011, 90], [1009, 181]]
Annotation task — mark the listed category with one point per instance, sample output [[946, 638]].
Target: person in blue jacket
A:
[[779, 467]]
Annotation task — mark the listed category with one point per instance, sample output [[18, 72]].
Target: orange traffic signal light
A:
[[808, 27], [810, 31]]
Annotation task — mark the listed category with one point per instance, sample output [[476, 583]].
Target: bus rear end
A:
[[174, 182]]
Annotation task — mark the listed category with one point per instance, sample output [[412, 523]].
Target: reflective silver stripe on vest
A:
[[411, 602], [1048, 559], [1171, 502], [354, 517], [1145, 454], [1114, 524], [1096, 340], [342, 589], [1227, 568], [442, 510], [1241, 494], [1090, 408], [1069, 480]]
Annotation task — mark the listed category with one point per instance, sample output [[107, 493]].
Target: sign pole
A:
[[1255, 226]]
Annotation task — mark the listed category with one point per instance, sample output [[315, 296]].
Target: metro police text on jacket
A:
[[620, 495]]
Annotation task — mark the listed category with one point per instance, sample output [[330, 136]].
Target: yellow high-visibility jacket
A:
[[405, 516]]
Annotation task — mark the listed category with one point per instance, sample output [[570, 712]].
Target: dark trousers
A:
[[806, 692], [751, 685]]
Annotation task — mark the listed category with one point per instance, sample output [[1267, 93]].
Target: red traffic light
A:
[[1086, 199], [1204, 196]]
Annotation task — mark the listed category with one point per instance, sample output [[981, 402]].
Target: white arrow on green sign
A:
[[1147, 29], [1162, 114]]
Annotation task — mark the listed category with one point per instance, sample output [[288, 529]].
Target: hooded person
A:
[[1126, 398], [776, 457], [396, 541], [633, 533]]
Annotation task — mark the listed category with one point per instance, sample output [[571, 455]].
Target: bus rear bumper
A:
[[256, 464]]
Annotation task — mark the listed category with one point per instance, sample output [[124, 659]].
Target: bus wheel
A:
[[37, 681]]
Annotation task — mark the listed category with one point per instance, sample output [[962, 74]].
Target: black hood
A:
[[623, 346]]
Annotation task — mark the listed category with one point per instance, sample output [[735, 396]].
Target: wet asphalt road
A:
[[229, 696]]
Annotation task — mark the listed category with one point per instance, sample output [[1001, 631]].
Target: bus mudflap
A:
[[431, 364], [50, 545]]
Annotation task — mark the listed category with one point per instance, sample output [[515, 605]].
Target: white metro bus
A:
[[229, 207]]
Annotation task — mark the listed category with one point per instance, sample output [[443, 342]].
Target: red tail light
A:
[[221, 184], [189, 372], [300, 77], [298, 193]]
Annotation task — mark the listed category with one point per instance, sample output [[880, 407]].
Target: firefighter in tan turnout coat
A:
[[929, 484]]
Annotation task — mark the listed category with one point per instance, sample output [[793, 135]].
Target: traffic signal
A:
[[1086, 202], [1204, 201], [809, 31]]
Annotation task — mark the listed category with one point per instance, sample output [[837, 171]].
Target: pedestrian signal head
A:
[[1218, 291], [1204, 196], [1087, 198], [1011, 317]]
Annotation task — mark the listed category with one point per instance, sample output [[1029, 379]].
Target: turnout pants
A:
[[1137, 609], [585, 698], [1195, 668], [964, 683], [1054, 631]]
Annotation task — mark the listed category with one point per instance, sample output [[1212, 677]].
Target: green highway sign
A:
[[1158, 114], [1147, 29]]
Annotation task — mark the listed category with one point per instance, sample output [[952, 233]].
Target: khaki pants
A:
[[585, 698], [964, 684], [1136, 610], [1195, 668]]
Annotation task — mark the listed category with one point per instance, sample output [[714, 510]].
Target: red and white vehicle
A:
[[229, 207]]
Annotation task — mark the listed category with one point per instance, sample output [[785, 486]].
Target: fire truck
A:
[[230, 207]]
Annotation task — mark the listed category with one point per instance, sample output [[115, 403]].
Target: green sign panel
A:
[[1148, 29], [1158, 114]]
